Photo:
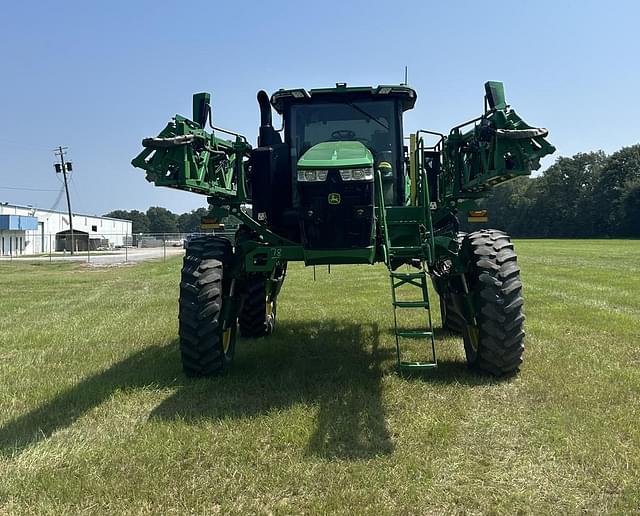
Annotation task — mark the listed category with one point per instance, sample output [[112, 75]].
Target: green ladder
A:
[[419, 281], [415, 221]]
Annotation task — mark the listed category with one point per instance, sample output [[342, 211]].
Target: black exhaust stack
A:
[[267, 135]]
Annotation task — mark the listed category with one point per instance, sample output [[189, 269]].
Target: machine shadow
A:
[[336, 366], [154, 365]]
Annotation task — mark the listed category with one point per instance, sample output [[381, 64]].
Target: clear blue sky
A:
[[99, 76]]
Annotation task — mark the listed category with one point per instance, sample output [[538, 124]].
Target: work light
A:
[[356, 174], [312, 175]]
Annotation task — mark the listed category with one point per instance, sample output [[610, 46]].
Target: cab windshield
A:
[[371, 122]]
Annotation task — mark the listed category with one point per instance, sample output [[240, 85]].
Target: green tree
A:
[[162, 220], [190, 222], [614, 188], [509, 206], [560, 203], [630, 204], [140, 221], [564, 205]]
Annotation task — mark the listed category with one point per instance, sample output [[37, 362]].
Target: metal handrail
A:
[[383, 218], [424, 190]]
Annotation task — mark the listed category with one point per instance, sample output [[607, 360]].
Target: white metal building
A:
[[28, 230]]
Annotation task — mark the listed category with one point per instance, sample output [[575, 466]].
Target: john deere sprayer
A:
[[341, 184]]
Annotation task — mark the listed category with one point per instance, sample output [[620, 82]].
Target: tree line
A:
[[587, 195], [160, 220]]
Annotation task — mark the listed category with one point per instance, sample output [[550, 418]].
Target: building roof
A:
[[59, 212]]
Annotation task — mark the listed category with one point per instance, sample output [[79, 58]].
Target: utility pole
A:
[[64, 167]]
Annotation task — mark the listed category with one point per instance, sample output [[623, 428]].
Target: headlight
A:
[[312, 175], [356, 174]]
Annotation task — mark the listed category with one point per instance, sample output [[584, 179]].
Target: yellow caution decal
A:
[[477, 216]]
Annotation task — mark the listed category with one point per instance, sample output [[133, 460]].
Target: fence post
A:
[[164, 247], [49, 247], [126, 252]]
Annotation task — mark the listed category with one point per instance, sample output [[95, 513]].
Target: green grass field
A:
[[96, 416]]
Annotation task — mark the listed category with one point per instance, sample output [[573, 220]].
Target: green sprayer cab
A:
[[342, 184]]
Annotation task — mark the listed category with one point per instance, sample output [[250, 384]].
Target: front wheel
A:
[[496, 343], [207, 344]]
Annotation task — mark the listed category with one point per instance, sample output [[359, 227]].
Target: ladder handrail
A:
[[424, 190], [382, 216]]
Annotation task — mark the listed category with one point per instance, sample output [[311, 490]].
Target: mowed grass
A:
[[97, 417]]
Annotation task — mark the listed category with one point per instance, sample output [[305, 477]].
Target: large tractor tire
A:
[[207, 348], [496, 344], [258, 314]]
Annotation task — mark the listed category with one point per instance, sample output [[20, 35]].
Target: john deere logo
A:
[[334, 198]]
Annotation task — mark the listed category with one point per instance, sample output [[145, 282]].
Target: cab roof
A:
[[282, 99]]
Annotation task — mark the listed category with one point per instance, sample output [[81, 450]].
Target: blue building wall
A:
[[18, 223]]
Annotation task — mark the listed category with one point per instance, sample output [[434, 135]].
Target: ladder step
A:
[[414, 334], [407, 252], [418, 365], [411, 304], [408, 275]]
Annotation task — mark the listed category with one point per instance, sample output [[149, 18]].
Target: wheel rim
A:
[[474, 337], [226, 340], [471, 339]]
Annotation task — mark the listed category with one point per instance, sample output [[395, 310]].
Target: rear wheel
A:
[[451, 318], [258, 314], [207, 345], [496, 344], [450, 314]]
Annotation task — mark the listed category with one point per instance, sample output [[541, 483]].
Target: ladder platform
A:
[[414, 334], [400, 213], [411, 304]]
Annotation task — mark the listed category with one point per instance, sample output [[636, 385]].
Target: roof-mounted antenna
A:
[[406, 76]]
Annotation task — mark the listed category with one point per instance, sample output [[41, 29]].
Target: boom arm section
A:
[[500, 146], [187, 157]]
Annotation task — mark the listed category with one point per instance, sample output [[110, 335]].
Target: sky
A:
[[97, 77]]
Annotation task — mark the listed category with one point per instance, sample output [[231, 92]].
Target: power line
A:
[[58, 198], [26, 189]]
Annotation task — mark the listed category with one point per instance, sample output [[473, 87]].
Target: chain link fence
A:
[[17, 246]]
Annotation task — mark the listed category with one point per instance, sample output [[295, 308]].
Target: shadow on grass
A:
[[151, 366], [336, 366], [455, 372]]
